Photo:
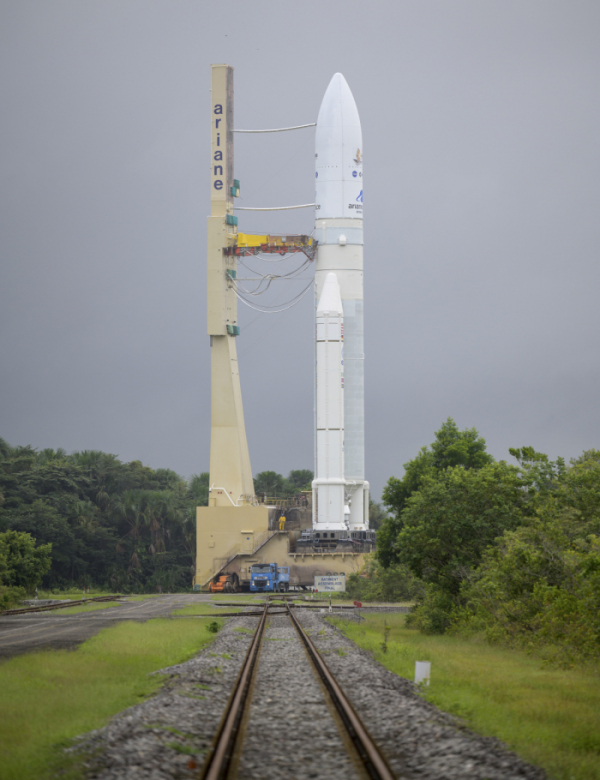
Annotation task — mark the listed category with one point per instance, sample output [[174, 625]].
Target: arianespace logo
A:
[[358, 204]]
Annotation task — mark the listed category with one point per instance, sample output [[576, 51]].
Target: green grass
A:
[[549, 716], [99, 605], [87, 607], [203, 608], [74, 593], [341, 598], [78, 595], [47, 698], [238, 598]]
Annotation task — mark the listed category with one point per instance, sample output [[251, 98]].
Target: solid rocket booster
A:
[[329, 485], [339, 231]]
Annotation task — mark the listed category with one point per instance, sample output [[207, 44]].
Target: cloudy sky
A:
[[481, 129]]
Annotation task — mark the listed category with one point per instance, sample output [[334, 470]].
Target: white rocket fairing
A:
[[339, 231]]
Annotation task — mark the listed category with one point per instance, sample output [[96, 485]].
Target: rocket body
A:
[[339, 231]]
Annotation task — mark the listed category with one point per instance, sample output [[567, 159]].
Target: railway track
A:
[[224, 756], [48, 607]]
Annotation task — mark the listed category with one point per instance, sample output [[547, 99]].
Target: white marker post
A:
[[422, 672]]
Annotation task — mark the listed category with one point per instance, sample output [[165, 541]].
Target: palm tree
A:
[[131, 510]]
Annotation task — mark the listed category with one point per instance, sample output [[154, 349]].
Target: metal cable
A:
[[270, 277], [273, 208], [290, 275], [276, 311], [277, 129]]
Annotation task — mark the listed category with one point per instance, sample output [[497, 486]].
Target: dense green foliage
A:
[[539, 585], [512, 551], [451, 449], [375, 583], [377, 515], [450, 521], [274, 485], [122, 526], [22, 566]]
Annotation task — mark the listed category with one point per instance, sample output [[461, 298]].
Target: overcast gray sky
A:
[[481, 129]]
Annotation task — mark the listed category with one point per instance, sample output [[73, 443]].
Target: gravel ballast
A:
[[417, 739], [291, 732]]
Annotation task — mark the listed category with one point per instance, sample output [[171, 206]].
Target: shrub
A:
[[11, 597], [434, 614], [374, 583]]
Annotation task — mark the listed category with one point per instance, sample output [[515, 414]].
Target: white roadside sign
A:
[[329, 583]]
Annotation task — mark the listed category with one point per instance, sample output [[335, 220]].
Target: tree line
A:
[[511, 551], [108, 524], [86, 519]]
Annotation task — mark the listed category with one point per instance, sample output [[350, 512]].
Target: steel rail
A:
[[221, 754], [372, 760], [27, 610]]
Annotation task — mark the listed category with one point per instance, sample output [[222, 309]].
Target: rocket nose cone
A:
[[337, 83], [338, 106], [338, 155], [338, 80]]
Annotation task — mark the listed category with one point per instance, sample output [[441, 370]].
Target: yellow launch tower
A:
[[232, 519]]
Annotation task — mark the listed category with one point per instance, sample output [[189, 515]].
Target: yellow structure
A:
[[230, 472], [223, 534], [231, 500], [289, 241], [230, 540]]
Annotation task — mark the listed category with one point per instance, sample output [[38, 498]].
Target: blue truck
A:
[[269, 577]]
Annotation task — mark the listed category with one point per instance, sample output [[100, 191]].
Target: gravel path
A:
[[291, 733]]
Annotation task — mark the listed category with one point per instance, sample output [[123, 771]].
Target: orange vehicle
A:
[[224, 583]]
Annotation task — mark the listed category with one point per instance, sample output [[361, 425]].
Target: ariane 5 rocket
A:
[[340, 491]]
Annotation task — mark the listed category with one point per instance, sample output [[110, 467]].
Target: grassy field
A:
[[549, 716], [94, 605], [47, 698], [203, 608], [87, 607], [73, 593], [77, 595], [242, 598]]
